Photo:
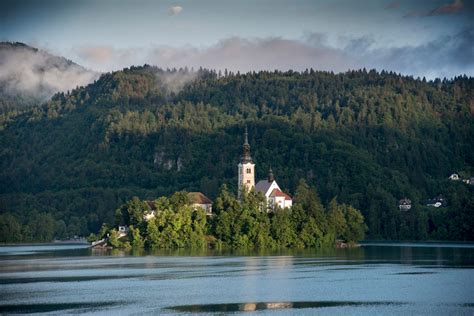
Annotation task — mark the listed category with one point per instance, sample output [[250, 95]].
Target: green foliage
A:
[[175, 225], [132, 213], [114, 239], [248, 225], [41, 227], [309, 200], [179, 199], [283, 228], [355, 229], [92, 237], [103, 231], [10, 229], [337, 219], [137, 240], [311, 234], [368, 138], [346, 222]]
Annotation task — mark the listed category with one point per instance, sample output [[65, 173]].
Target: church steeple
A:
[[271, 178], [246, 168], [246, 149]]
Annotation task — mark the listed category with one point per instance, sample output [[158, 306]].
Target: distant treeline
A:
[[368, 138], [241, 224]]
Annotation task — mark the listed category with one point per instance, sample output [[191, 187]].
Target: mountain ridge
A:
[[365, 137]]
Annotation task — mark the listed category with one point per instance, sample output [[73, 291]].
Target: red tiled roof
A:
[[277, 192]]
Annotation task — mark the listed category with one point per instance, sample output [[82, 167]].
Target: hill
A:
[[30, 76], [365, 137]]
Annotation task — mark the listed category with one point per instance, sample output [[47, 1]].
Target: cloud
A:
[[37, 73], [97, 54], [175, 10], [105, 58], [238, 54], [448, 56], [445, 57], [454, 7]]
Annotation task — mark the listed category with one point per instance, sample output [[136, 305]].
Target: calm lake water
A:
[[378, 279]]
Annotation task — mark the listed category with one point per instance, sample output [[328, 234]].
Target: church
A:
[[269, 187]]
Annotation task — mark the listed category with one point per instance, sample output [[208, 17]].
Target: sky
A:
[[421, 38]]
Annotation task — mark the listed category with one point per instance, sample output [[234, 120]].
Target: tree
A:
[[283, 229], [309, 200], [311, 235], [337, 219], [132, 212], [179, 199], [113, 239], [356, 227], [10, 229], [42, 226], [137, 240], [225, 201], [224, 226]]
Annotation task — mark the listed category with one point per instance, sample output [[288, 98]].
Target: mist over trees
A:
[[30, 76], [366, 138]]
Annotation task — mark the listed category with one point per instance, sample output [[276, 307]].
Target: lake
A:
[[378, 279]]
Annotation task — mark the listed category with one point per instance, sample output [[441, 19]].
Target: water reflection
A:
[[375, 279], [250, 307]]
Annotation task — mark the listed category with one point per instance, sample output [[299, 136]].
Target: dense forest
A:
[[366, 138], [239, 224]]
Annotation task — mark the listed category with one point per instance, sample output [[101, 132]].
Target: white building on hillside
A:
[[269, 187], [454, 177], [274, 195]]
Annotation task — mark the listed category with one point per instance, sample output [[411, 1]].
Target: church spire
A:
[[271, 178], [246, 168], [246, 149], [246, 137]]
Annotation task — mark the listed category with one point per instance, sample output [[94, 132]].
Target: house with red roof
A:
[[274, 195]]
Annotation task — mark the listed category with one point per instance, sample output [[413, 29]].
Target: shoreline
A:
[[50, 243], [338, 245]]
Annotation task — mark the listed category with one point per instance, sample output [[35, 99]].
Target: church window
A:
[[249, 170], [248, 181]]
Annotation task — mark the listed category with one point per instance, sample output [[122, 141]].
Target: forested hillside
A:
[[366, 138]]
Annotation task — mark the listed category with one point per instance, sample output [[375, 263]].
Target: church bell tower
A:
[[246, 168]]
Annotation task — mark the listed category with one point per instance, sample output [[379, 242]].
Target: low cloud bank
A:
[[29, 71], [446, 57]]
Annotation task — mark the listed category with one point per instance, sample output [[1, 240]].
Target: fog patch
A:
[[174, 81], [28, 71]]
